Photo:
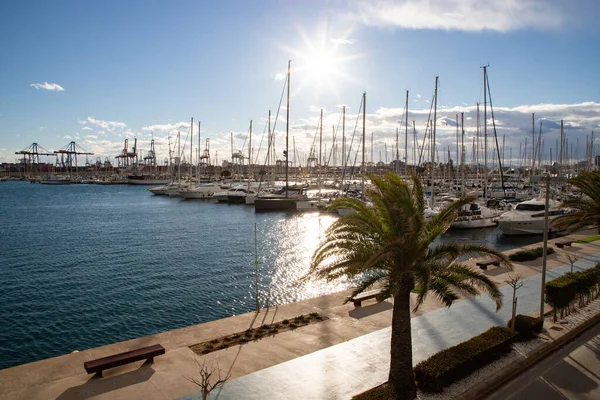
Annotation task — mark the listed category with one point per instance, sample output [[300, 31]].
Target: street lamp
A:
[[545, 178]]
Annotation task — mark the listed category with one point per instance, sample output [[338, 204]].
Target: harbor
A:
[[325, 346], [89, 265]]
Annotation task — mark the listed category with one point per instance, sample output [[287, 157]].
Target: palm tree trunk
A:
[[401, 378]]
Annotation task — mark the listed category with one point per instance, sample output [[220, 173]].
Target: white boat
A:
[[56, 180], [473, 215], [237, 195], [204, 191], [164, 190], [528, 217]]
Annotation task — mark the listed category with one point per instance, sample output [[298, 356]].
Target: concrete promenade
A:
[[336, 358]]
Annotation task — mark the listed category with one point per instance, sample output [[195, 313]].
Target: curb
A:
[[491, 384]]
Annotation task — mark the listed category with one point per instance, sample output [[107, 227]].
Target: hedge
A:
[[562, 291], [526, 326], [455, 363], [530, 255]]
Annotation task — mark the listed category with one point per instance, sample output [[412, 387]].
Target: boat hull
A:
[[275, 204]]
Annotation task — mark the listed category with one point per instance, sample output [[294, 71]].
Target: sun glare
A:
[[320, 65], [323, 63]]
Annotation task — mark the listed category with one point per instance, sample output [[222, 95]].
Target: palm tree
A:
[[391, 245], [587, 207]]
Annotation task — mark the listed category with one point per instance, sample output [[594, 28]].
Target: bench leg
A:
[[483, 266], [151, 360], [98, 374], [357, 303]]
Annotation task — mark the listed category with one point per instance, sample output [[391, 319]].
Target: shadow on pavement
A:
[[97, 386], [361, 312]]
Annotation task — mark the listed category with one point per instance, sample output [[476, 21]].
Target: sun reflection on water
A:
[[290, 244]]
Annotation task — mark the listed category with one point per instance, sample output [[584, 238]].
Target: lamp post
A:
[[546, 178]]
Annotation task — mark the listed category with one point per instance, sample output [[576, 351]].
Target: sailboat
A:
[[288, 201]]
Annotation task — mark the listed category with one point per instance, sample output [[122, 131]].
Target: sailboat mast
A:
[[462, 148], [406, 136], [457, 154], [269, 149], [414, 146], [532, 144], [198, 153], [249, 153], [287, 129], [362, 184], [485, 133], [343, 138], [433, 140], [320, 153], [191, 147], [397, 166]]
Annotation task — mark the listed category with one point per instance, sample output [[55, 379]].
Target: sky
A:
[[100, 72]]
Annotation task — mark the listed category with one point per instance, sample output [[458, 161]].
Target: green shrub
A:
[[560, 292], [453, 364], [527, 326], [530, 255]]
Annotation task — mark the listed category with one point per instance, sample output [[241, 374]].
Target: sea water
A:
[[87, 265]]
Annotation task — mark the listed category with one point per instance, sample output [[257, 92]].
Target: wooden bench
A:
[[564, 243], [484, 264], [371, 294], [144, 353]]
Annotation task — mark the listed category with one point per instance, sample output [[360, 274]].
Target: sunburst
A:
[[323, 63]]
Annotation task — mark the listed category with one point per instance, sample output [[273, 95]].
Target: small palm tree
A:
[[391, 245], [587, 207]]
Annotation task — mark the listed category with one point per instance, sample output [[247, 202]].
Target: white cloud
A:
[[463, 15], [53, 87], [108, 125], [168, 128], [87, 128], [279, 77], [91, 137], [342, 41]]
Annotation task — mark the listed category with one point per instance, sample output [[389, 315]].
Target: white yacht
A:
[[528, 217], [204, 191], [473, 215]]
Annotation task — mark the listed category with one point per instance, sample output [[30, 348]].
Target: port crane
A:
[[66, 157], [127, 158]]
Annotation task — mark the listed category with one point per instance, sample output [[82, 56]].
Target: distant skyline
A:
[[98, 72]]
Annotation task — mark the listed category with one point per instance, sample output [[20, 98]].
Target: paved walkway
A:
[[314, 360], [343, 370]]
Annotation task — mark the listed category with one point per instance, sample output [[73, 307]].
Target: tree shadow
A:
[[362, 312], [96, 386]]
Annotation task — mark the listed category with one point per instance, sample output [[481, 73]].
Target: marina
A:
[[88, 265]]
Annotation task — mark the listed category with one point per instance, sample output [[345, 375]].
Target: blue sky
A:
[[142, 68]]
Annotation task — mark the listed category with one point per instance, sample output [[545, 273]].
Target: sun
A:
[[323, 64], [320, 64]]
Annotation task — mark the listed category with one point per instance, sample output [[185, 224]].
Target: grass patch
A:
[[589, 239], [257, 333]]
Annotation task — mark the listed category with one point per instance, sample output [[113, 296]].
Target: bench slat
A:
[[127, 357]]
